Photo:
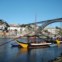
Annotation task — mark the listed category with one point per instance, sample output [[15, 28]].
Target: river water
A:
[[15, 54]]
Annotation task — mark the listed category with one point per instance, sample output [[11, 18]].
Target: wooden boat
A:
[[15, 45], [53, 45], [58, 43], [32, 45], [37, 44]]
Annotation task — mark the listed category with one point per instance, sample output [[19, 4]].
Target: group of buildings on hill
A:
[[14, 29]]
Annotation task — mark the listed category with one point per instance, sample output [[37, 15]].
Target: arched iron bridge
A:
[[47, 22]]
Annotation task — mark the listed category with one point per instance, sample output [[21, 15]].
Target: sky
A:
[[25, 11]]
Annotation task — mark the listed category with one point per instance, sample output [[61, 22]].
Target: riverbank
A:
[[58, 60], [9, 35]]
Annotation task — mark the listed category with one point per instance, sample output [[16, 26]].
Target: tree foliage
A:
[[5, 23]]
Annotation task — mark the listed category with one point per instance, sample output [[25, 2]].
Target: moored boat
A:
[[53, 45], [32, 42], [33, 45]]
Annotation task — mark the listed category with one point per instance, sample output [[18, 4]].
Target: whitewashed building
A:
[[52, 30], [14, 27]]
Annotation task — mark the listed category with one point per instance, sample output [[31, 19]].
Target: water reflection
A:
[[9, 54], [39, 55]]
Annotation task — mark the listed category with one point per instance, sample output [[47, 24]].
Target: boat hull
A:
[[33, 45], [23, 45], [53, 45]]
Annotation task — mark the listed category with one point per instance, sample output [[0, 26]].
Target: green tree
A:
[[5, 23], [60, 30], [1, 21]]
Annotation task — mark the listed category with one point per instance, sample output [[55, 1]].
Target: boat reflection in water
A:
[[39, 55]]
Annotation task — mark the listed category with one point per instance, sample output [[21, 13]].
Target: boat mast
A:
[[35, 24], [35, 27]]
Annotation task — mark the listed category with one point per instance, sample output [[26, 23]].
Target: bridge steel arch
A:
[[50, 22]]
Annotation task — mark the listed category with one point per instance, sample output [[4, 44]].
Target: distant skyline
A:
[[24, 11]]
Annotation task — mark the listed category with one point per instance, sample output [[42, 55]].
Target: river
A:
[[15, 54]]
